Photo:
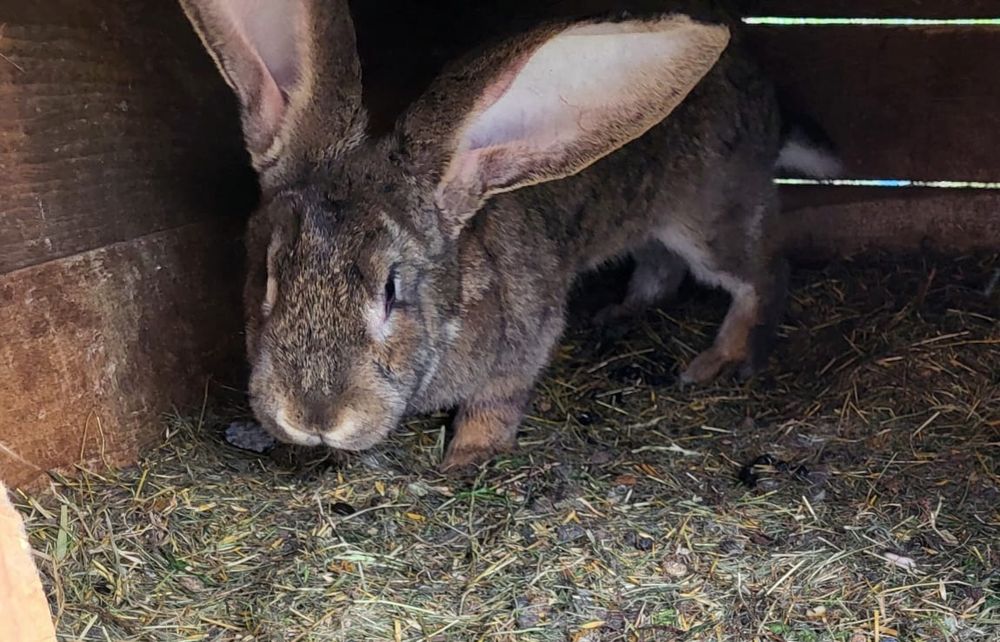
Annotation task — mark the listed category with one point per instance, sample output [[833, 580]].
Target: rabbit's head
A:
[[356, 278]]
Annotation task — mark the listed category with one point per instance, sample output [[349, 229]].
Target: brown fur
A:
[[482, 282]]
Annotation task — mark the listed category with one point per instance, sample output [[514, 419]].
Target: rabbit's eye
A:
[[390, 292]]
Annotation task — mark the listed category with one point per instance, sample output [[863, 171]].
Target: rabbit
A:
[[429, 268]]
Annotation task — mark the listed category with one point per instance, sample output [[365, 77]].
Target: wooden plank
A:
[[899, 102], [826, 223], [23, 607], [113, 124], [95, 346], [873, 8]]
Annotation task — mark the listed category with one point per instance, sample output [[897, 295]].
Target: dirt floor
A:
[[632, 511]]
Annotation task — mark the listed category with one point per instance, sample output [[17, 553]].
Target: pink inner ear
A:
[[270, 34], [580, 95], [274, 29], [491, 95], [273, 104]]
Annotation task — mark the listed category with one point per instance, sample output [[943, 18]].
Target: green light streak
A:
[[889, 183], [776, 21]]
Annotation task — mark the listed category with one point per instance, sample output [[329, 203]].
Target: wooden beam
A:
[[113, 124], [827, 223], [97, 346]]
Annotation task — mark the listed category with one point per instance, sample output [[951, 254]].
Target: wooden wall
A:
[[901, 102], [123, 187]]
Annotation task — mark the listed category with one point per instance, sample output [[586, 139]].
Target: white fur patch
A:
[[451, 330], [379, 327], [270, 295], [797, 156], [340, 436], [646, 285], [294, 433], [699, 263]]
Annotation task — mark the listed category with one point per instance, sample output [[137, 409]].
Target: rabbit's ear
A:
[[286, 60], [558, 99]]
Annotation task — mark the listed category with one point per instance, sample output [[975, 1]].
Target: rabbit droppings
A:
[[430, 267]]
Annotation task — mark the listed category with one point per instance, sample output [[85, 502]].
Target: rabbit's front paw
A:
[[462, 460], [482, 431], [705, 367], [712, 364]]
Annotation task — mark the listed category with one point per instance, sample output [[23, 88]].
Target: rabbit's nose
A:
[[317, 410]]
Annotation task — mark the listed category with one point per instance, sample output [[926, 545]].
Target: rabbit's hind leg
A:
[[657, 276], [731, 251]]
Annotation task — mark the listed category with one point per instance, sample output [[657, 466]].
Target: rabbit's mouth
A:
[[350, 432], [288, 432]]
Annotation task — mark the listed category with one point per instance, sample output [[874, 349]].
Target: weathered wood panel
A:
[[95, 346], [826, 223], [899, 102], [113, 124], [123, 189], [874, 8]]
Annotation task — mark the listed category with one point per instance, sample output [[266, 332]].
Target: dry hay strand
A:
[[630, 513]]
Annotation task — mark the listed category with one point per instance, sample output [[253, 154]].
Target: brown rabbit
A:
[[430, 267]]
